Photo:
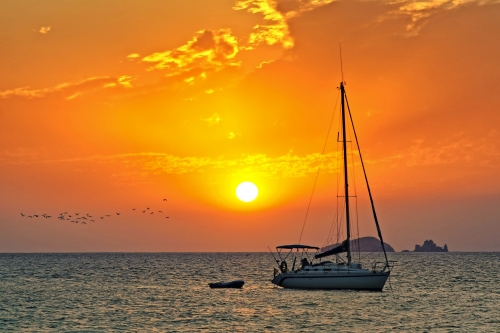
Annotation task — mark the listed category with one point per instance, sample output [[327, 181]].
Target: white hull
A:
[[355, 279]]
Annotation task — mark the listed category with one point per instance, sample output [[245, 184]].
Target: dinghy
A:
[[232, 284]]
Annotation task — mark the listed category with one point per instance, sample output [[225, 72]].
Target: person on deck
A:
[[304, 262]]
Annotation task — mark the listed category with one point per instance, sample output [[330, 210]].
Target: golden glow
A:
[[186, 106], [247, 191]]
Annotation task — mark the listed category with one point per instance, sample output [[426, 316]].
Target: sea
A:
[[168, 292]]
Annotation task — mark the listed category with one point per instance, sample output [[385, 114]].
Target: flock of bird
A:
[[85, 218]]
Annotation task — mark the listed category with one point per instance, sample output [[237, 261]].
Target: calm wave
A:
[[168, 292]]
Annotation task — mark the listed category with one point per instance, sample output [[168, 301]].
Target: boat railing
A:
[[387, 265]]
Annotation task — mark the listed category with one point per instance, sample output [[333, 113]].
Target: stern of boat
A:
[[277, 276]]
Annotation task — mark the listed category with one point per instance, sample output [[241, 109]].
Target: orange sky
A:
[[107, 106]]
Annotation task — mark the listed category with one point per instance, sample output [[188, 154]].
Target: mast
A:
[[346, 184]]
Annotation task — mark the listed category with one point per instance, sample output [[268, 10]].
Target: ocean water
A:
[[168, 292]]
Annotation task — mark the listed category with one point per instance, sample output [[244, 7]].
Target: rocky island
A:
[[429, 246]]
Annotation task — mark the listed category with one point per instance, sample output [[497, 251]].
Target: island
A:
[[363, 244], [430, 246]]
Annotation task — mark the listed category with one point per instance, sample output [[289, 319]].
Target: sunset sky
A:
[[107, 106]]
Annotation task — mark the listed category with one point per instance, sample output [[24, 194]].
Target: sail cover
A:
[[339, 249], [297, 246]]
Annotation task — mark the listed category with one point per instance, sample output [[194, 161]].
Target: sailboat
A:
[[344, 273]]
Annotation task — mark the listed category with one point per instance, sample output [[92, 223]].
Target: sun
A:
[[247, 191]]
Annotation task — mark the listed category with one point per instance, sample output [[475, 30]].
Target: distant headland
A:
[[429, 246]]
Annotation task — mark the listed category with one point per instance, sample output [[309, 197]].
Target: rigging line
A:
[[350, 166], [334, 227], [330, 232], [375, 251], [339, 164], [273, 255], [357, 226], [333, 223], [339, 222], [340, 173], [319, 168], [353, 173], [341, 69], [367, 184], [340, 231]]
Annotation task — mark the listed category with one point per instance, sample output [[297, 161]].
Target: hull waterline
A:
[[353, 281]]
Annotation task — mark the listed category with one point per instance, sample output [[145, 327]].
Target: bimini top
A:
[[297, 246]]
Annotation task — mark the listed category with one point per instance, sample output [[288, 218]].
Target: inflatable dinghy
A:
[[232, 284]]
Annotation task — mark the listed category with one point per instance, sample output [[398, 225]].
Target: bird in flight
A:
[[151, 212], [133, 208], [143, 211], [167, 217], [22, 214], [147, 208], [117, 213], [164, 199], [160, 211], [77, 214], [108, 215], [102, 217]]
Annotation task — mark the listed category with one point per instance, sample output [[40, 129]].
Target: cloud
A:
[[43, 30], [213, 119], [420, 10], [276, 13], [217, 49], [133, 56], [152, 162], [454, 150], [274, 30], [258, 165], [71, 90], [123, 81], [75, 95], [458, 150], [214, 50]]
